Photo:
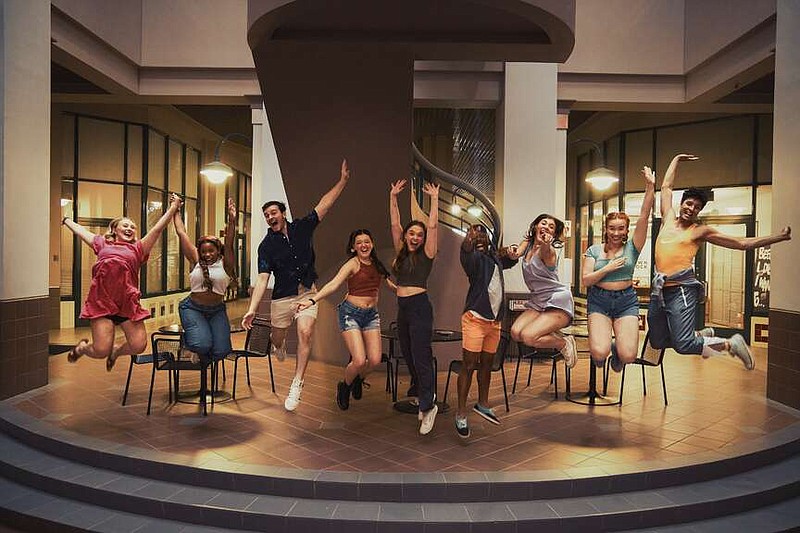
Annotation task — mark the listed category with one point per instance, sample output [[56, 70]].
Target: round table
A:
[[439, 335]]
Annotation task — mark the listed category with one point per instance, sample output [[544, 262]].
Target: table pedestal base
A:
[[594, 398], [220, 396]]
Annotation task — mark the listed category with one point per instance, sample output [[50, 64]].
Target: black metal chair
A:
[[530, 353], [651, 357], [158, 364], [169, 347], [257, 344], [497, 366]]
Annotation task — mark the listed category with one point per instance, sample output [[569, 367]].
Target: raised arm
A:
[[432, 240], [330, 197], [394, 214], [714, 236], [84, 234], [255, 298], [669, 180], [187, 246], [640, 233], [155, 232], [348, 269], [228, 258]]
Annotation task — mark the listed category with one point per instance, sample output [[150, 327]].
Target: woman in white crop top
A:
[[207, 331]]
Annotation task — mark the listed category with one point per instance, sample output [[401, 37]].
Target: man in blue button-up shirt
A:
[[287, 251]]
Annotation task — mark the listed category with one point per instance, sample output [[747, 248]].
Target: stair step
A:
[[140, 499]]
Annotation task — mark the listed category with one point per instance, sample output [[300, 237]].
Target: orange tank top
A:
[[365, 282], [675, 249]]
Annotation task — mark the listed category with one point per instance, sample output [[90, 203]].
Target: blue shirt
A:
[[290, 259], [629, 252]]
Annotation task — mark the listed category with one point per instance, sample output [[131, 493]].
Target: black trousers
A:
[[414, 330]]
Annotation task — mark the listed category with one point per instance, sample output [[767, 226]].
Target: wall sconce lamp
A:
[[218, 172], [600, 178], [475, 210]]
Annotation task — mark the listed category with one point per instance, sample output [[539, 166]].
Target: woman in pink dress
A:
[[113, 298]]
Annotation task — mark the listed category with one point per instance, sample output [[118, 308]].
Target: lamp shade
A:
[[601, 178], [216, 172]]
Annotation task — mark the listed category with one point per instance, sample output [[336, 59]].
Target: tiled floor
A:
[[713, 404]]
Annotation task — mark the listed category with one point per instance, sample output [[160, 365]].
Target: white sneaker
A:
[[278, 353], [740, 349], [570, 351], [706, 332], [293, 399], [428, 418]]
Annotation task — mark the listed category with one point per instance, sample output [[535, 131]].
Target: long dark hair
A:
[[404, 252], [373, 255], [213, 240], [531, 235]]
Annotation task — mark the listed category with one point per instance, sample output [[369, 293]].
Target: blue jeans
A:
[[672, 326], [613, 304], [206, 329]]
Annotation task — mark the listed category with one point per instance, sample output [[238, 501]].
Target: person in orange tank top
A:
[[675, 291], [359, 320]]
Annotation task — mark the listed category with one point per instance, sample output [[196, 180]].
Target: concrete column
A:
[[24, 194], [783, 372], [534, 151]]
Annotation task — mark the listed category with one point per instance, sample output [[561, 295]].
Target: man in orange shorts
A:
[[480, 323]]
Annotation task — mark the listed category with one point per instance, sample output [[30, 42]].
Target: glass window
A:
[[135, 140], [641, 273], [173, 260], [101, 150], [725, 148], [134, 207], [190, 219], [638, 152], [67, 240], [175, 167], [155, 165], [99, 200], [612, 204], [192, 171], [597, 222], [155, 208], [584, 242], [730, 201]]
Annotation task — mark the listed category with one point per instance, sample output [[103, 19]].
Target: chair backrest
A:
[[166, 347], [502, 350], [650, 355], [258, 338]]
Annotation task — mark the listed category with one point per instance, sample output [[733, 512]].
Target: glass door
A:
[[724, 272]]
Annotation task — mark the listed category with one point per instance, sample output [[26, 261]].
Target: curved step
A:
[[401, 487], [59, 483]]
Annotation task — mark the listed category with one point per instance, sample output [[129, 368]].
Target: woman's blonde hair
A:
[[110, 234]]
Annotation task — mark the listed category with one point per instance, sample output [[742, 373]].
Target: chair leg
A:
[[247, 367], [516, 373], [554, 378], [224, 377], [396, 381], [128, 381], [505, 390], [271, 377], [150, 395], [530, 370], [663, 382], [644, 383], [622, 385], [235, 374], [605, 377]]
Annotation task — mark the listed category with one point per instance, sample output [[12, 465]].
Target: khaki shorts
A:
[[283, 310], [479, 335]]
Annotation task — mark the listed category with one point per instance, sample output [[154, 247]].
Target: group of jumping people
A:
[[287, 252]]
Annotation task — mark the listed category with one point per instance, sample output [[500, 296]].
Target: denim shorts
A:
[[613, 304], [361, 318]]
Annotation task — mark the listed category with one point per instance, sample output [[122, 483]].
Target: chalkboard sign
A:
[[761, 279]]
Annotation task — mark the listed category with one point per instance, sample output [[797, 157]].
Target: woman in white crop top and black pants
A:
[[207, 331]]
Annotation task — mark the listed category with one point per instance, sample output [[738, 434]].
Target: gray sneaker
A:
[[462, 428], [706, 332], [740, 349], [428, 418]]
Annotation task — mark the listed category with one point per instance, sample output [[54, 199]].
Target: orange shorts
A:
[[479, 335]]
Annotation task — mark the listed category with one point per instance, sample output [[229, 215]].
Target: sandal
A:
[[73, 355], [110, 362]]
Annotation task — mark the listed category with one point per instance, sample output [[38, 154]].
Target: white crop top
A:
[[216, 272]]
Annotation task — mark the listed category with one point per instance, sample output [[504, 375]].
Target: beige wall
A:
[[117, 22], [627, 37], [711, 25], [195, 33]]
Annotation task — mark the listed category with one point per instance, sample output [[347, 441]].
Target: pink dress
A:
[[115, 281]]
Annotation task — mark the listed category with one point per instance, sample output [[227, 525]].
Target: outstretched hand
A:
[[344, 174], [649, 176], [430, 189], [686, 157], [786, 233], [397, 187], [175, 200]]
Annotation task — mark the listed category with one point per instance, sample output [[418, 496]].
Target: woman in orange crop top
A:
[[359, 320]]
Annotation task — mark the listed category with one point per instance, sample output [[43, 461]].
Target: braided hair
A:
[[214, 241]]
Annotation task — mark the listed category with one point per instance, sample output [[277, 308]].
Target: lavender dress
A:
[[547, 292]]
